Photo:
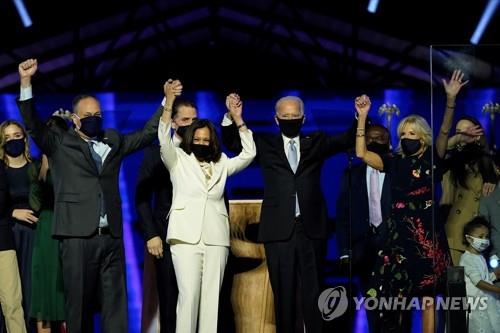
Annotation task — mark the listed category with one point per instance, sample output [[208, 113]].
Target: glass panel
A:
[[470, 97]]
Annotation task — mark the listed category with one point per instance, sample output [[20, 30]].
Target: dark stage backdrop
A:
[[331, 113]]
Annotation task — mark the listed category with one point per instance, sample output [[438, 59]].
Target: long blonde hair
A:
[[3, 140], [421, 128]]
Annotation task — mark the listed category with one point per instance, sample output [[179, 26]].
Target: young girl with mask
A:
[[198, 230], [484, 316], [17, 165]]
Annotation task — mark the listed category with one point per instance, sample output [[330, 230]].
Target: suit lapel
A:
[[280, 148], [84, 147], [305, 147], [216, 174], [198, 171], [111, 139]]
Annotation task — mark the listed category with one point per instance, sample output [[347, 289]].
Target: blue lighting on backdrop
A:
[[332, 113]]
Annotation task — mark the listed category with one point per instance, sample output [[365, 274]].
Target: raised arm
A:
[[230, 122], [363, 104], [452, 88], [168, 153], [248, 152], [46, 139]]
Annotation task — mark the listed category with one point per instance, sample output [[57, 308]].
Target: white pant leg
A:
[[214, 263], [188, 265], [10, 292]]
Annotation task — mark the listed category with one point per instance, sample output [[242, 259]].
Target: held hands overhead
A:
[[234, 107], [172, 89]]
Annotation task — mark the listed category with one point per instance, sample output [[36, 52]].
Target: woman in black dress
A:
[[415, 256], [17, 164]]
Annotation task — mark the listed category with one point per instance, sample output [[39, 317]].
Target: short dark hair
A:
[[386, 136], [476, 222], [181, 102], [57, 122], [80, 97], [187, 140], [378, 126]]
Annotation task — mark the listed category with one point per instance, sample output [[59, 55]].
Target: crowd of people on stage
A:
[[404, 216]]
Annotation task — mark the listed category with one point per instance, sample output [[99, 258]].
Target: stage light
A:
[[372, 6], [494, 261], [485, 19], [23, 13]]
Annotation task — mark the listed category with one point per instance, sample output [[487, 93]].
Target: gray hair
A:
[[290, 98]]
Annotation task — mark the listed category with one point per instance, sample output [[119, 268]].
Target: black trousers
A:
[[94, 273], [295, 270], [167, 290]]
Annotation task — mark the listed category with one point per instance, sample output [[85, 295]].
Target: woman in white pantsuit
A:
[[198, 230]]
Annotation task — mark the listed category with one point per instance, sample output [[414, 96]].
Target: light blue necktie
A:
[[97, 158], [292, 156], [292, 160]]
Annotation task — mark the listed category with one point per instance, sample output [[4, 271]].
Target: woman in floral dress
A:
[[415, 256]]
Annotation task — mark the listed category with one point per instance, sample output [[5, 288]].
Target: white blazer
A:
[[198, 211]]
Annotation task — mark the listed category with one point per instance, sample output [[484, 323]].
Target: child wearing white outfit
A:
[[479, 281]]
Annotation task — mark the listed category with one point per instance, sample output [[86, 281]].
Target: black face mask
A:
[[181, 130], [410, 146], [469, 153], [290, 127], [201, 151], [14, 148], [378, 148], [91, 126]]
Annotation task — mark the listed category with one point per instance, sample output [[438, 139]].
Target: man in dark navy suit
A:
[[153, 201], [368, 200], [293, 221]]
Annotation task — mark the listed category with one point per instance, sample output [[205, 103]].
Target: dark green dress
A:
[[47, 298]]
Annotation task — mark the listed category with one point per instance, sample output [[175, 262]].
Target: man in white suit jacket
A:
[[198, 230]]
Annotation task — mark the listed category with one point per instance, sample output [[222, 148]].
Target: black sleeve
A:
[[342, 142], [35, 197], [45, 138], [144, 193], [342, 219], [231, 138], [487, 169], [144, 137]]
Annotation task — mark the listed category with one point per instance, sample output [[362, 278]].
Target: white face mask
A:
[[479, 244]]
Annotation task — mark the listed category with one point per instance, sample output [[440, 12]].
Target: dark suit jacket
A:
[[153, 197], [78, 185], [281, 184], [364, 237]]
